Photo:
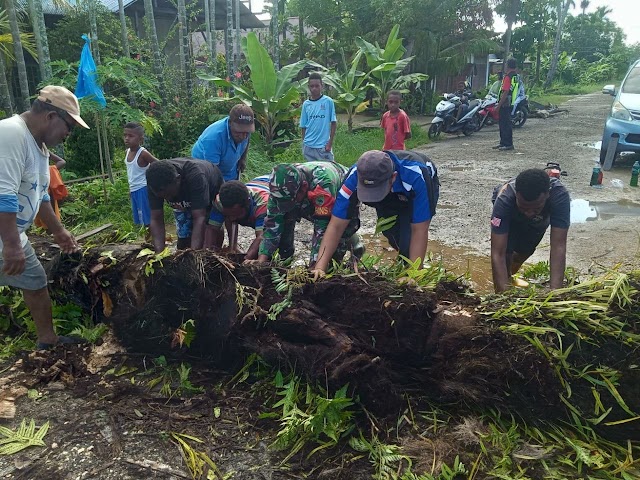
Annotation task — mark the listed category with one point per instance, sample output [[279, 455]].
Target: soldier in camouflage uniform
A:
[[305, 190]]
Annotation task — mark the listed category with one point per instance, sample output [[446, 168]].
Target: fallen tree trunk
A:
[[382, 338]]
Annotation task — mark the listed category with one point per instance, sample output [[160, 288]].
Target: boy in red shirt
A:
[[395, 122]]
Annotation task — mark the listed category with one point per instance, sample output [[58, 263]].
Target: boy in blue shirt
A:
[[318, 122]]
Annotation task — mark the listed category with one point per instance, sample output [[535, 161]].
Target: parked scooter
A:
[[446, 114], [489, 114]]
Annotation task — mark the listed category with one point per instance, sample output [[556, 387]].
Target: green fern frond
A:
[[26, 436]]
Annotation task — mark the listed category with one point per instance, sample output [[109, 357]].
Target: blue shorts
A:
[[140, 207], [311, 154], [32, 278], [184, 223]]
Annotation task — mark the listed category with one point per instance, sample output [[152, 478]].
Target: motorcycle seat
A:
[[473, 103]]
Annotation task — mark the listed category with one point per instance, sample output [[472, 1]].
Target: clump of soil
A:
[[365, 331]]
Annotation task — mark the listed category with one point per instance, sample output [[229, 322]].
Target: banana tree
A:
[[270, 93], [390, 77], [351, 88]]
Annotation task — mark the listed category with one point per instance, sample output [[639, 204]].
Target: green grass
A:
[[560, 93], [348, 147]]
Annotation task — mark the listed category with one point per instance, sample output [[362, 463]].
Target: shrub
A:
[[182, 122], [65, 38]]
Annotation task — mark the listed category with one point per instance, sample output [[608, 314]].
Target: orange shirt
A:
[[395, 130], [57, 191]]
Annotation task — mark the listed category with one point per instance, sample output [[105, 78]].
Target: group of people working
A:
[[206, 195]]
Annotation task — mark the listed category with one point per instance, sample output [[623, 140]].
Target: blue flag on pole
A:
[[88, 76]]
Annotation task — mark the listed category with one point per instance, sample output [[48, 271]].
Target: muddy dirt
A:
[[469, 169], [109, 425]]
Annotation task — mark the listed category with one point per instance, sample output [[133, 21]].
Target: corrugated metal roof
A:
[[49, 8], [247, 19]]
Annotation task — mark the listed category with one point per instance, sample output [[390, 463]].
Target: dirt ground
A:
[[470, 169]]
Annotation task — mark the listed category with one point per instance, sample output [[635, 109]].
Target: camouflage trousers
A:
[[350, 240]]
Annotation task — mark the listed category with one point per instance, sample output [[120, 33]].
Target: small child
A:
[[395, 122], [137, 160]]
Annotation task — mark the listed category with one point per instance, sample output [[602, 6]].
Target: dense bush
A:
[[182, 121], [81, 149]]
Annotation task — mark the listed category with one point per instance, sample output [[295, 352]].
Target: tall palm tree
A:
[[584, 4], [123, 29], [183, 42], [40, 34], [511, 8], [153, 38], [236, 49], [210, 17], [276, 34], [300, 36], [7, 50], [24, 104], [5, 96], [562, 9]]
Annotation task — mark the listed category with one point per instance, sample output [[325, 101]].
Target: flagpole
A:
[[87, 86], [107, 150]]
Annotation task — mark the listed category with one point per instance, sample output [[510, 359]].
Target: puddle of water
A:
[[594, 145], [456, 260], [583, 211]]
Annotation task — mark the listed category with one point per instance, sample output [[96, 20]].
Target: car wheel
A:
[[603, 156]]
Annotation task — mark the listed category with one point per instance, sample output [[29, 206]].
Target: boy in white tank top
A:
[[137, 161]]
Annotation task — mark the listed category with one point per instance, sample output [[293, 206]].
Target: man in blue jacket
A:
[[396, 183]]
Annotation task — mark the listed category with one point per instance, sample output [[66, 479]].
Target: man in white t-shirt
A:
[[24, 179]]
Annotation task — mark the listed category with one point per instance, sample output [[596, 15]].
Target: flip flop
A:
[[519, 282]]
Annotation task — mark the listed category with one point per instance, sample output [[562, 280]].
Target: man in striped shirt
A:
[[243, 204]]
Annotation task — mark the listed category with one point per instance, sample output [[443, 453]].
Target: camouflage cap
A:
[[284, 184]]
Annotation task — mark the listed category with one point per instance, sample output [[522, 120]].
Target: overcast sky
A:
[[622, 12]]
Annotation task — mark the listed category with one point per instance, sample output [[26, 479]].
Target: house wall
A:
[[476, 72]]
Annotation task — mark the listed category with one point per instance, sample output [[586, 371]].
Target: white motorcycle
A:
[[446, 114]]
